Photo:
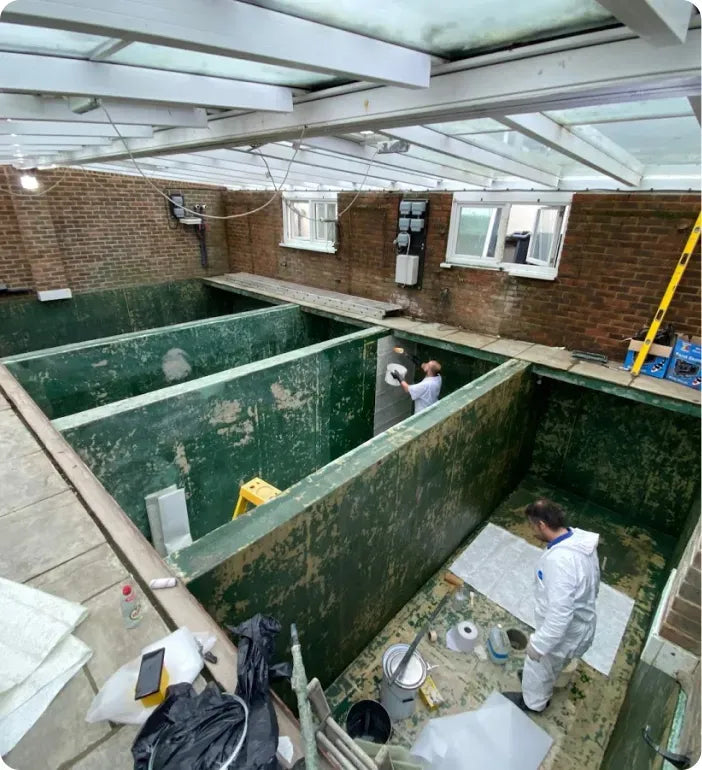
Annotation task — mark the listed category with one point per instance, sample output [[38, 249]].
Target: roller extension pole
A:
[[668, 296], [299, 684]]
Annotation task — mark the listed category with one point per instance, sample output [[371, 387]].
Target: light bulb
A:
[[29, 182]]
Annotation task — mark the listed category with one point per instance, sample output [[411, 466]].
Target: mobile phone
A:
[[149, 679]]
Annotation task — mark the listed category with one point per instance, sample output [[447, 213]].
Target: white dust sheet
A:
[[501, 566]]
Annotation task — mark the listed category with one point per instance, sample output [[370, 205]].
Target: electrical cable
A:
[[360, 186], [18, 194], [191, 211]]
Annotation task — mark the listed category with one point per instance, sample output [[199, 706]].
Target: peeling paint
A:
[[175, 365]]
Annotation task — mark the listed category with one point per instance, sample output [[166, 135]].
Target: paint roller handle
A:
[[417, 639]]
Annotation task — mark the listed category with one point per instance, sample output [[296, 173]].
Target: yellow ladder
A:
[[668, 296], [257, 491]]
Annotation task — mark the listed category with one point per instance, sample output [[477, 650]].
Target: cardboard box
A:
[[656, 363], [685, 364]]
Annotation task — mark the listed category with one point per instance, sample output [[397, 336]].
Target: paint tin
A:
[[399, 698]]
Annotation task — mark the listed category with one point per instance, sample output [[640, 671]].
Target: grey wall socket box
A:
[[418, 208], [405, 208], [416, 225], [403, 224]]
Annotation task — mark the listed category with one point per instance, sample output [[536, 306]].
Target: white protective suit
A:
[[567, 583]]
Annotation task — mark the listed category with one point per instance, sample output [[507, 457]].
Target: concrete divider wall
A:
[[27, 324], [77, 377], [280, 419], [348, 546]]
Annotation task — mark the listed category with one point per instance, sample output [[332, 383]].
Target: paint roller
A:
[[403, 352]]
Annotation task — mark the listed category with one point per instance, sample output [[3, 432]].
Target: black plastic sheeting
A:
[[201, 732]]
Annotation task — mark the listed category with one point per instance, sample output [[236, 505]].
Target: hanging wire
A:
[[19, 194], [275, 195]]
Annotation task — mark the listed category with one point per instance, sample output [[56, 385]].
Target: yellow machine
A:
[[257, 491]]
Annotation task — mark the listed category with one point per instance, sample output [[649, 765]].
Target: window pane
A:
[[547, 231], [474, 229], [299, 221]]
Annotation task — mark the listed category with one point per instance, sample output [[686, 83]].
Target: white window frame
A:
[[534, 268], [311, 243]]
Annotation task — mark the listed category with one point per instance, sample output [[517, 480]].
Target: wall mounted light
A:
[[29, 182]]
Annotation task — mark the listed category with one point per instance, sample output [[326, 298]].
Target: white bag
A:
[[182, 660]]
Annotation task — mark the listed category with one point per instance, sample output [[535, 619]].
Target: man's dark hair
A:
[[547, 511]]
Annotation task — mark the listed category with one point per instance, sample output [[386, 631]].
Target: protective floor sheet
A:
[[501, 566]]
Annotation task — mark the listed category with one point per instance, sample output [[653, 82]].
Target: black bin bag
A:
[[215, 730]]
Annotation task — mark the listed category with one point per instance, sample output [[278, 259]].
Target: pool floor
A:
[[580, 718]]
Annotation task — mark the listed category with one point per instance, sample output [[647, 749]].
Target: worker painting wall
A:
[[27, 324], [635, 459], [349, 545], [74, 378], [280, 419]]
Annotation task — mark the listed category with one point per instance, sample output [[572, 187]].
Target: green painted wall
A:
[[279, 419], [347, 547], [638, 460], [27, 324], [77, 377]]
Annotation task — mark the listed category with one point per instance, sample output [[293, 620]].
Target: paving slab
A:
[[42, 536], [26, 480], [115, 753], [398, 322], [666, 388], [61, 732], [84, 576], [112, 644], [15, 439], [4, 403], [556, 358], [600, 372], [471, 339], [506, 347], [436, 330]]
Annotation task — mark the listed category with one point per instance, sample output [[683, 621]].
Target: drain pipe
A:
[[299, 683]]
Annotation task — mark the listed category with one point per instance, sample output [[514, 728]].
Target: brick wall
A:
[[618, 255], [681, 620], [103, 231]]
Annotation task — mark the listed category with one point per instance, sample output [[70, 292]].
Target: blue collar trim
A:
[[560, 538]]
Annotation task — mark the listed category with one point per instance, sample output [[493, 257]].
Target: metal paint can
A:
[[399, 698]]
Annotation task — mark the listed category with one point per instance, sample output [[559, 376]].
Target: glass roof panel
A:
[[665, 140], [162, 57], [475, 126], [39, 40], [606, 113], [451, 28]]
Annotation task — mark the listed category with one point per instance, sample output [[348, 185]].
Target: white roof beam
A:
[[28, 139], [696, 104], [64, 128], [433, 140], [106, 49], [663, 22], [25, 107], [234, 29], [558, 137], [70, 77], [343, 165], [363, 152], [280, 161], [515, 153], [624, 70]]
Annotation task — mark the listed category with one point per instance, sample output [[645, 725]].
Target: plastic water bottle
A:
[[498, 645], [131, 607]]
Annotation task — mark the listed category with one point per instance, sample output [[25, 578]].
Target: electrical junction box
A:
[[176, 203], [407, 269], [416, 225], [418, 208], [403, 224], [402, 240], [405, 208]]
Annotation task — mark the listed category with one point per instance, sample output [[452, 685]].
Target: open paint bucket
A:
[[369, 721], [398, 698]]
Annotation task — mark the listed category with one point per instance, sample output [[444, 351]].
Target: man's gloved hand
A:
[[395, 375], [533, 654]]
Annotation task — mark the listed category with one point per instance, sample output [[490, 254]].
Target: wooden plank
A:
[[177, 606]]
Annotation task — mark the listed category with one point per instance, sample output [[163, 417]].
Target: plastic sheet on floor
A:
[[38, 655], [502, 567], [497, 736]]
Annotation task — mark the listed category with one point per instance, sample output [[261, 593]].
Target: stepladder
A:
[[257, 491]]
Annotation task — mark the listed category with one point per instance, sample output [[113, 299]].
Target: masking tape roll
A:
[[464, 636], [433, 636]]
